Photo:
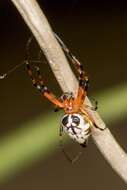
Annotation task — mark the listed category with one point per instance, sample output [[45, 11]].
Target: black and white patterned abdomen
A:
[[76, 127]]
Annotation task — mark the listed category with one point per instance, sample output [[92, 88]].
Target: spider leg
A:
[[38, 82], [39, 85], [83, 78], [93, 107], [95, 104], [96, 126], [57, 108], [3, 76], [90, 119], [27, 57], [28, 47]]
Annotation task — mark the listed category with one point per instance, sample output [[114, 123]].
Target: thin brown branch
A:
[[38, 24]]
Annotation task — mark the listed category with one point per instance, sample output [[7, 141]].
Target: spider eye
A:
[[65, 120], [75, 120]]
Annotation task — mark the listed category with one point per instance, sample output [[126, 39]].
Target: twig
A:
[[33, 16]]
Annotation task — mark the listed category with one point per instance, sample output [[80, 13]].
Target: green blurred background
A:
[[30, 157]]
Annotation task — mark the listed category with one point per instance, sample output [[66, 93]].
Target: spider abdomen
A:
[[76, 127]]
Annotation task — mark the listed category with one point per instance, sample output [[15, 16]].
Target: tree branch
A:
[[38, 24]]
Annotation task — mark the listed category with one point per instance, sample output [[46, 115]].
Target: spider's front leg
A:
[[38, 81], [39, 85], [83, 78], [82, 90]]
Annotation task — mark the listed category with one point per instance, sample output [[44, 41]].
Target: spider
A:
[[76, 121]]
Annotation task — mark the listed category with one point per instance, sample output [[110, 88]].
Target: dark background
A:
[[96, 32]]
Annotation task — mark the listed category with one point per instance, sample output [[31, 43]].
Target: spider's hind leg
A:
[[93, 107], [96, 126]]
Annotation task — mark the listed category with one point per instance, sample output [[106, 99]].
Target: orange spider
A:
[[76, 121]]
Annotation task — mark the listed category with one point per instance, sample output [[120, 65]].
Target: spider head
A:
[[67, 96], [68, 100], [76, 126]]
